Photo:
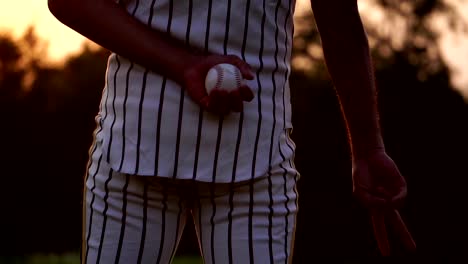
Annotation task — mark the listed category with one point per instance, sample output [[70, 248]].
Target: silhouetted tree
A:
[[10, 73]]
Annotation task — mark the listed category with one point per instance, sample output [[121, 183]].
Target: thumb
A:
[[243, 67], [368, 199]]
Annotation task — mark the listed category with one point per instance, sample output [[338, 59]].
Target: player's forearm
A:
[[354, 83], [349, 63], [109, 25]]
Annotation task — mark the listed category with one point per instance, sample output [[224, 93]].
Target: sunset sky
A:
[[17, 15]]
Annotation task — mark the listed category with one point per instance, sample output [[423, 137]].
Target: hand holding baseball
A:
[[216, 83]]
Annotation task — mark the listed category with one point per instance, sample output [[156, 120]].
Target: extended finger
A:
[[196, 90], [369, 200], [380, 233], [246, 93], [399, 226], [200, 97], [236, 102], [204, 102], [243, 67], [398, 199], [383, 192], [219, 102]]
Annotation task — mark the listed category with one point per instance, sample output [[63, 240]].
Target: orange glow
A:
[[17, 15]]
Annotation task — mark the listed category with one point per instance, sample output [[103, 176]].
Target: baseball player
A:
[[165, 150]]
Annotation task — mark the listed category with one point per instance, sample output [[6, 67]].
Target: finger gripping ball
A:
[[223, 76]]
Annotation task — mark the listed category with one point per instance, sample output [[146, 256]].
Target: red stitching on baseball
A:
[[219, 80], [238, 78]]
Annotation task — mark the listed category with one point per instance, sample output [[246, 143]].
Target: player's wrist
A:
[[364, 149], [184, 68]]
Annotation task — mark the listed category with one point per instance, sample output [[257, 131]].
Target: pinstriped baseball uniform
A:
[[234, 173], [150, 125]]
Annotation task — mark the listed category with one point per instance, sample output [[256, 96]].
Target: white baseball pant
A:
[[139, 219]]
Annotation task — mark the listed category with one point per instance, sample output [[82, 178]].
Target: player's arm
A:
[[108, 24], [377, 181], [346, 52]]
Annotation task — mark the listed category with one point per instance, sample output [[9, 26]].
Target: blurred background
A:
[[51, 79]]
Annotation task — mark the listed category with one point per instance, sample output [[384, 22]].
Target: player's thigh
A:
[[249, 223], [128, 218]]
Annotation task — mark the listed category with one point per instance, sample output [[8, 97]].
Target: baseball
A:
[[223, 76]]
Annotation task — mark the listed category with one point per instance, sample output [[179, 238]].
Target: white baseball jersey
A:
[[150, 126]]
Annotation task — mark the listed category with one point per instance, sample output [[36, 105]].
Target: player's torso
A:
[[149, 124]]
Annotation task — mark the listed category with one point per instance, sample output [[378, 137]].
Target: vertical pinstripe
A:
[[124, 109], [197, 148], [105, 96], [218, 141], [91, 152], [221, 119], [182, 94], [260, 116], [142, 97], [228, 23], [140, 114], [144, 222], [161, 104], [288, 212], [163, 225], [288, 16], [123, 221], [200, 111], [259, 96], [270, 217], [124, 106], [246, 28], [231, 193], [220, 127], [104, 220], [114, 92], [286, 40], [104, 107], [296, 178], [158, 128], [91, 209], [238, 142]]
